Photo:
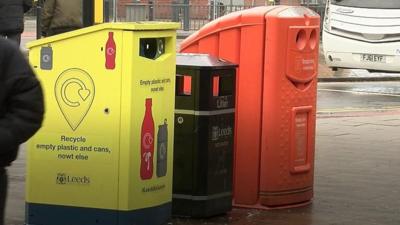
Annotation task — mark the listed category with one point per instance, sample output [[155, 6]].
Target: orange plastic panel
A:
[[240, 38], [246, 39], [215, 86], [289, 109]]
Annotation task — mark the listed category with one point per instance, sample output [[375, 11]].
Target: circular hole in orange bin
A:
[[313, 39], [301, 39]]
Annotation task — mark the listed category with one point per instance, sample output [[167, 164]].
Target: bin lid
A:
[[202, 61], [133, 26]]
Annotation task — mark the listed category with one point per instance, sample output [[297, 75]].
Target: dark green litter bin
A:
[[204, 131]]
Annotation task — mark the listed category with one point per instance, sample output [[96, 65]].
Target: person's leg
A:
[[15, 37], [3, 193]]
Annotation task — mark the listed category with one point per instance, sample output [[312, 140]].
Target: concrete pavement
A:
[[357, 178]]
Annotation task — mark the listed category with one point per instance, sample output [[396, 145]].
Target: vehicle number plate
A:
[[373, 58]]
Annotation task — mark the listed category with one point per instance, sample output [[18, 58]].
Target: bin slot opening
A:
[[183, 85], [222, 85], [152, 48]]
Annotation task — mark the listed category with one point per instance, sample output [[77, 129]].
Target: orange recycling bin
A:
[[276, 49]]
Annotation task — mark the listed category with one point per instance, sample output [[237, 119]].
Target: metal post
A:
[[106, 13], [39, 4], [186, 19], [215, 9], [211, 10], [115, 10], [151, 10], [175, 11]]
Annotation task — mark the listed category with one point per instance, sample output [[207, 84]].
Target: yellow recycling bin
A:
[[104, 153]]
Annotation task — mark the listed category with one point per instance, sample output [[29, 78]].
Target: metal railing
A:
[[191, 16]]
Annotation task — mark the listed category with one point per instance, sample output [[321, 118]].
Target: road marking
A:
[[360, 92]]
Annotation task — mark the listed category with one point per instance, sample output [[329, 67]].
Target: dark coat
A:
[[12, 15], [60, 16], [21, 101]]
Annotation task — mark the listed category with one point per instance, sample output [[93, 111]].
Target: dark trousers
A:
[[3, 193], [16, 37]]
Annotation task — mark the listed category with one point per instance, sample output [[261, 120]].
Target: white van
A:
[[362, 34]]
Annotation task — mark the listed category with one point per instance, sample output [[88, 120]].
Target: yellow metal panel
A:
[[153, 79], [127, 97], [88, 152], [73, 159]]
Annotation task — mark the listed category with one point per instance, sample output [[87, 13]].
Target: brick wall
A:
[[164, 9], [290, 2], [199, 8], [121, 8], [256, 2]]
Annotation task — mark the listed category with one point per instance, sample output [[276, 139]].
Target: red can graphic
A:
[[147, 143], [110, 51]]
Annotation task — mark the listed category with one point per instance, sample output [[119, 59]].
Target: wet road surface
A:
[[358, 96]]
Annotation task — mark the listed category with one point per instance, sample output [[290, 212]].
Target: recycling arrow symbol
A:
[[74, 92]]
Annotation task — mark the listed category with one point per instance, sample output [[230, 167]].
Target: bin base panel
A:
[[43, 214], [182, 207], [263, 207], [286, 198], [282, 200]]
